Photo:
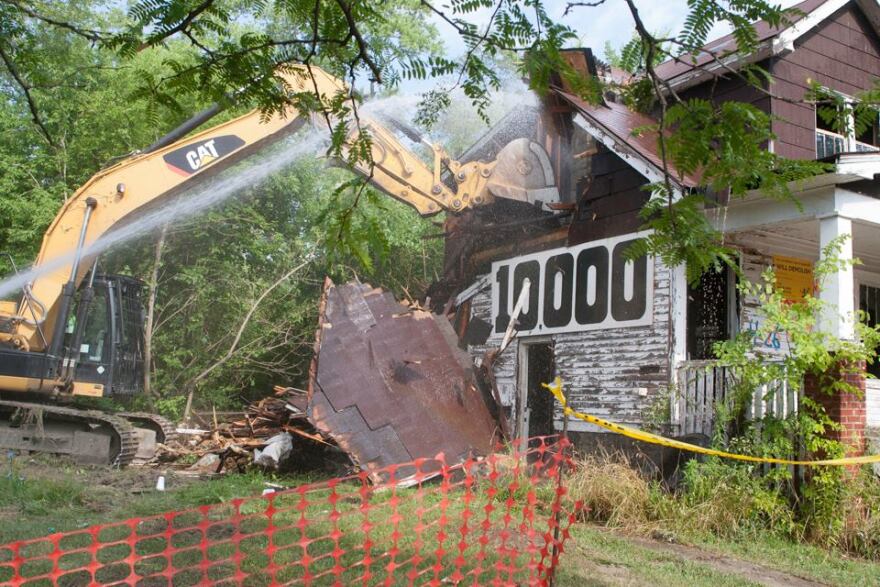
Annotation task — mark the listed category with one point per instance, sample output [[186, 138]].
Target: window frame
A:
[[850, 144]]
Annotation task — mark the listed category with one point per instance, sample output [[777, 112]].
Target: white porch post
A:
[[839, 292], [678, 330]]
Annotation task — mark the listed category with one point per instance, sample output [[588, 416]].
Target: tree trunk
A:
[[153, 289]]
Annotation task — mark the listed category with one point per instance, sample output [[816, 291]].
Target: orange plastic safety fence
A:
[[498, 520]]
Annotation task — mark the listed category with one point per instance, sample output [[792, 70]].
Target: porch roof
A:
[[851, 190]]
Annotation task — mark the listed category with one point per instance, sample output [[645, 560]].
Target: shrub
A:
[[724, 499], [729, 499]]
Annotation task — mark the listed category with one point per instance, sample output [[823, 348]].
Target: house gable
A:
[[613, 196], [843, 54]]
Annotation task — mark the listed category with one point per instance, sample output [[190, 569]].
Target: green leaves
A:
[[740, 14], [811, 352], [681, 234], [849, 116], [633, 56]]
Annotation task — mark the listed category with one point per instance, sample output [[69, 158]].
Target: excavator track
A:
[[152, 431], [61, 430], [165, 430]]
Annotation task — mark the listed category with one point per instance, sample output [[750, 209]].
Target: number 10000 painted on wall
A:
[[590, 286]]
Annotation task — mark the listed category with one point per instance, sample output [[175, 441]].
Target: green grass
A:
[[33, 506], [804, 560], [409, 539], [598, 556], [595, 558], [42, 498]]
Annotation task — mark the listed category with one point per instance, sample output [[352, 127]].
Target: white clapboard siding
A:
[[872, 402], [613, 373]]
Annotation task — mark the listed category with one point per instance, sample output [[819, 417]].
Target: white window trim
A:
[[872, 386], [866, 278], [849, 139]]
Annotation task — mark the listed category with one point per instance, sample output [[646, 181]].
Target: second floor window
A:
[[839, 136]]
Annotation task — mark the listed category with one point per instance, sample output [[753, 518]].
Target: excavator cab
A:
[[109, 332], [100, 355]]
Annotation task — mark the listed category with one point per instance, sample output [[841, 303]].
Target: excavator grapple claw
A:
[[523, 173]]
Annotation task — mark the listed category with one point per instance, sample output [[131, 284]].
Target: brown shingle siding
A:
[[795, 135], [849, 17], [793, 151], [842, 54], [835, 50], [729, 88], [857, 39], [801, 116], [837, 73], [611, 204]]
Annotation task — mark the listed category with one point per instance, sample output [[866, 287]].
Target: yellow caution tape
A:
[[636, 434]]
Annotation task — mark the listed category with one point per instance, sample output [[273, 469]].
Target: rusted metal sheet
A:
[[389, 384]]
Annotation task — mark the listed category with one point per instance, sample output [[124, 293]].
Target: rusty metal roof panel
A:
[[389, 383], [628, 129]]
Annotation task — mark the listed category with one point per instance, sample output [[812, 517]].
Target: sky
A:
[[609, 22]]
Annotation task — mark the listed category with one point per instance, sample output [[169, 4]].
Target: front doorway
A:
[[712, 313], [537, 365]]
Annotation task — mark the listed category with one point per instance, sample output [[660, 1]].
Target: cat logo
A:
[[201, 155], [194, 157]]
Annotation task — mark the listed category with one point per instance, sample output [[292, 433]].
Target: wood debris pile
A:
[[229, 443]]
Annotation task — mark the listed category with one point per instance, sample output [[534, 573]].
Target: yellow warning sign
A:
[[794, 277], [636, 434]]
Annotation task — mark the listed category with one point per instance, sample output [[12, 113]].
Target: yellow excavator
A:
[[75, 332]]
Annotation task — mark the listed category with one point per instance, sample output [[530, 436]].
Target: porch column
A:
[[838, 292], [845, 408]]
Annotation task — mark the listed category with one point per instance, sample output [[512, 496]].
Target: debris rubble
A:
[[388, 384], [253, 436], [277, 450]]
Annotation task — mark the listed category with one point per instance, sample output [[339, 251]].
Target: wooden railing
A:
[[703, 387]]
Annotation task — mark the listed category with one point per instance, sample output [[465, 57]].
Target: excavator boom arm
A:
[[125, 189]]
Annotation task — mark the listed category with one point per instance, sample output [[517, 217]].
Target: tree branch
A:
[[244, 323], [363, 47], [572, 5], [651, 42], [479, 42], [90, 34], [179, 27], [459, 29], [26, 89]]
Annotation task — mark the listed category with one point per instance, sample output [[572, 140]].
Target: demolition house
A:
[[631, 340]]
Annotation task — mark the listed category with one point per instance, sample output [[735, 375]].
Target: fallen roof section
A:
[[389, 383]]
